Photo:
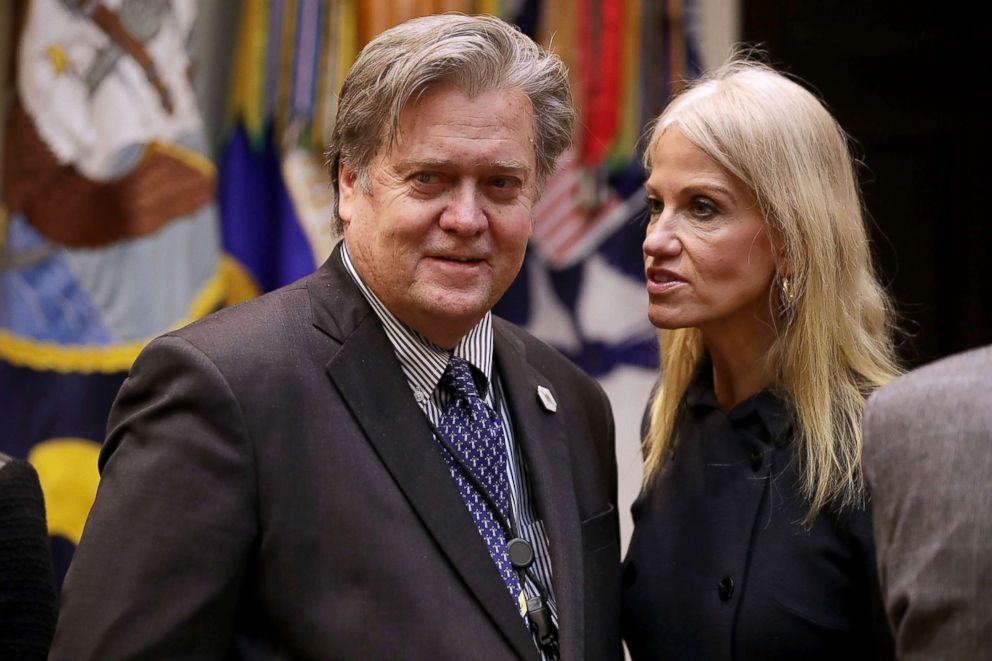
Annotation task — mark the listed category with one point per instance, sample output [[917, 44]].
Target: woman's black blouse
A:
[[720, 565]]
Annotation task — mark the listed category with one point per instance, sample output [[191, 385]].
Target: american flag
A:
[[577, 212]]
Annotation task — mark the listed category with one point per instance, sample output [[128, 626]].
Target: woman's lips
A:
[[660, 281]]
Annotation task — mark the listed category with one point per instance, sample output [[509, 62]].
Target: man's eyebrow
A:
[[518, 167], [422, 164]]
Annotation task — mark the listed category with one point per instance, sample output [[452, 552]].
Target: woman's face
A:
[[707, 256]]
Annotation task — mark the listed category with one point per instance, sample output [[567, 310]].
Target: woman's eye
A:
[[655, 206], [702, 208]]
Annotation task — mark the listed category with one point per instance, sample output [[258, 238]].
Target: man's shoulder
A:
[[269, 313], [268, 327]]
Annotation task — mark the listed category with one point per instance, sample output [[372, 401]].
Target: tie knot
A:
[[457, 378]]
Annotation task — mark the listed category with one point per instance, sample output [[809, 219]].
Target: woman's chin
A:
[[666, 321]]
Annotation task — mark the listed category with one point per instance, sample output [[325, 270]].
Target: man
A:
[[928, 460], [294, 477]]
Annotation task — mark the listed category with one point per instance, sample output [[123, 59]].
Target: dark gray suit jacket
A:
[[928, 459], [270, 488]]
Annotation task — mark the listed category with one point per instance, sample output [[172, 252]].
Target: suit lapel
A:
[[542, 436], [368, 376]]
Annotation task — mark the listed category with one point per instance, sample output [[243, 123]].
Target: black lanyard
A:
[[521, 554]]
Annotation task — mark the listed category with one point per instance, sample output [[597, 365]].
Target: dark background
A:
[[904, 80]]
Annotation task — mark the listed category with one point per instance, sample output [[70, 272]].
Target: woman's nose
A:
[[661, 240]]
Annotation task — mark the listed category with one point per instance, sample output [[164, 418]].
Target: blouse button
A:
[[757, 459], [629, 574], [726, 589]]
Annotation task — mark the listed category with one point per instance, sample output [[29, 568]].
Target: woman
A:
[[752, 535]]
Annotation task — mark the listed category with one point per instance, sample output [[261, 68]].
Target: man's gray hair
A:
[[473, 53]]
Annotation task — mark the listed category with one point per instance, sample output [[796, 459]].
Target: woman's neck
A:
[[740, 364]]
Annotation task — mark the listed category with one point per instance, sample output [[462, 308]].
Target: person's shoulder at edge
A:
[[915, 390], [27, 580]]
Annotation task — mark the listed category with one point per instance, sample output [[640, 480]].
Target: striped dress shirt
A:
[[423, 363]]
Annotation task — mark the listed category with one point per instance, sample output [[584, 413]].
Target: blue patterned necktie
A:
[[474, 431]]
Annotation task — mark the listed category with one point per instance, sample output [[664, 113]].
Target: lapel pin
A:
[[547, 399]]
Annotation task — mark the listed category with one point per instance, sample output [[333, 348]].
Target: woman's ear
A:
[[783, 265]]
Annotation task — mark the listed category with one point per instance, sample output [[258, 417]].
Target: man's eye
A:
[[655, 206], [425, 178], [505, 183], [504, 188]]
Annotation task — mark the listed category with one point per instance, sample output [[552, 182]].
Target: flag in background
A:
[[110, 233], [109, 229]]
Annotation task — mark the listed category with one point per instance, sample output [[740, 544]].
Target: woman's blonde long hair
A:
[[834, 341]]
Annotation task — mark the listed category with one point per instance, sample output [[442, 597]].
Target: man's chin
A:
[[461, 312], [454, 308]]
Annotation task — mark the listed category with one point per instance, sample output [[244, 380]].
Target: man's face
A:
[[441, 231]]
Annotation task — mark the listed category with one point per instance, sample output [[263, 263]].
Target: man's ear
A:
[[347, 190]]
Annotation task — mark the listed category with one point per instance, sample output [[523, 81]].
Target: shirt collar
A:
[[422, 361]]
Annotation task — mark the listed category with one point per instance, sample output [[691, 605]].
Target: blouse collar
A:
[[765, 413]]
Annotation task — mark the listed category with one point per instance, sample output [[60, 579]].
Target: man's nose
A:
[[464, 213]]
